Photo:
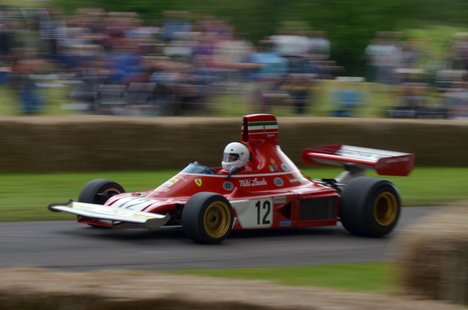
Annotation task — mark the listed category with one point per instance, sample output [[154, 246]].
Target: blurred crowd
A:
[[114, 63], [425, 88]]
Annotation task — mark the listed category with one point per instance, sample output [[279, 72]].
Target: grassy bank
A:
[[25, 196], [369, 277]]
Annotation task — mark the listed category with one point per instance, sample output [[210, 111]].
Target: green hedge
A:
[[95, 143]]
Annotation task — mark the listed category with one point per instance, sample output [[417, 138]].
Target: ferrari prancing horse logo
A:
[[199, 182]]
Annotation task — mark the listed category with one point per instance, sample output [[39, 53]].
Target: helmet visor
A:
[[230, 157]]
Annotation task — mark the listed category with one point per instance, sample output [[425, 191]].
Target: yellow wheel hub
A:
[[385, 208], [111, 191], [217, 219]]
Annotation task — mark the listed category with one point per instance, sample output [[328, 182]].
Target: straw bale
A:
[[100, 143], [45, 290], [433, 255]]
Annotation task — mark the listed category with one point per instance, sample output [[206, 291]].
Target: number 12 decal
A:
[[254, 213], [264, 212]]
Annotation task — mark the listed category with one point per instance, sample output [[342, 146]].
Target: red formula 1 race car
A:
[[258, 187]]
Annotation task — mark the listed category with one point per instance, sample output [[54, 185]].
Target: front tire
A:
[[99, 191], [370, 207], [207, 218]]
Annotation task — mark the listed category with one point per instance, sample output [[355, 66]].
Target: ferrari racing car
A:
[[257, 187]]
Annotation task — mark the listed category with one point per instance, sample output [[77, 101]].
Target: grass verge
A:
[[25, 196], [367, 277]]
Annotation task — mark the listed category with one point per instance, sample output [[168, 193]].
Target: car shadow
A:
[[176, 234]]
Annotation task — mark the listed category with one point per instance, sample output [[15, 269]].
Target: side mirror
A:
[[232, 171]]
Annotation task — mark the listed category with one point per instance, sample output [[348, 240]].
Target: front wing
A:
[[146, 219]]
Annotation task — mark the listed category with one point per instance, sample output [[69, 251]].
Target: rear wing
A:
[[384, 162]]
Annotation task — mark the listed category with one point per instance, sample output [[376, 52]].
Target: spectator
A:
[[229, 55], [267, 70], [28, 92], [6, 42], [125, 63], [175, 23], [348, 96], [456, 99], [383, 57], [298, 87]]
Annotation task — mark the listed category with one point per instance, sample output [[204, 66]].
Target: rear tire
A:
[[207, 218], [370, 207]]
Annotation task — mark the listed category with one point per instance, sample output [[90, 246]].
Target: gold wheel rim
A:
[[109, 193], [112, 191], [217, 219], [385, 208]]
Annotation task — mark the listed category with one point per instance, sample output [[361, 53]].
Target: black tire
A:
[[370, 207], [207, 218], [99, 191]]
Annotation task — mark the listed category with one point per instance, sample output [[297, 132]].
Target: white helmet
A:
[[235, 155]]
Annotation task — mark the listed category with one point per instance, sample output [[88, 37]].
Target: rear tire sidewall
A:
[[195, 220], [370, 207]]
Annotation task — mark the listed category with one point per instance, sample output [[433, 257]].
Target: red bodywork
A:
[[271, 192]]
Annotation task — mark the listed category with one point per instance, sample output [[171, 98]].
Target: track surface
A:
[[68, 245]]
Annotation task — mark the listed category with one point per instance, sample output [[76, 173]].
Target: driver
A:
[[236, 155]]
